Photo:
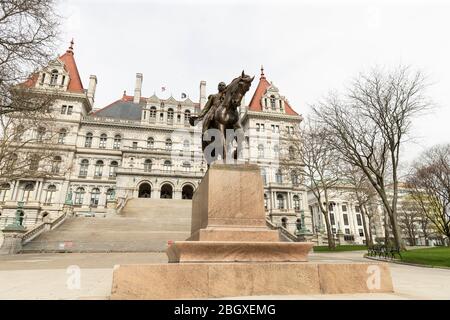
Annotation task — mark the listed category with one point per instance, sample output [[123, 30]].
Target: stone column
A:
[[15, 190]]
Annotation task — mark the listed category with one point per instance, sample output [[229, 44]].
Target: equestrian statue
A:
[[221, 113]]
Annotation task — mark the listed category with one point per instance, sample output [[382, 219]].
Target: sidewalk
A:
[[45, 276]]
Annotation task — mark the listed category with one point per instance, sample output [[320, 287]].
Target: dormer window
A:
[[170, 115], [153, 112], [272, 102], [54, 78]]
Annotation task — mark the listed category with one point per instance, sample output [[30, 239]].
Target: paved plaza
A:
[[51, 276]]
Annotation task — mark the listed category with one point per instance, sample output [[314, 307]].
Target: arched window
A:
[[260, 151], [4, 188], [266, 201], [187, 192], [98, 168], [62, 136], [294, 178], [153, 112], [168, 144], [27, 191], [276, 151], [284, 222], [110, 194], [18, 132], [12, 159], [296, 199], [56, 164], [280, 201], [291, 153], [167, 165], [113, 169], [279, 177], [43, 78], [54, 78], [84, 168], [264, 175], [34, 162], [88, 141], [150, 142], [148, 165], [170, 115], [186, 166], [51, 189], [186, 145], [187, 115], [103, 139], [272, 102], [40, 134], [95, 195], [166, 191], [79, 196], [117, 142]]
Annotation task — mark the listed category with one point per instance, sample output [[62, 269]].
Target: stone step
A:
[[145, 225]]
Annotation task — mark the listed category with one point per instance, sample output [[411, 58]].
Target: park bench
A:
[[383, 251]]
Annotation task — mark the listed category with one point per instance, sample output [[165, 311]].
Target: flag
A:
[[183, 95], [163, 89]]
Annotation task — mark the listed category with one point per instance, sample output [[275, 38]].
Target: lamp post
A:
[[16, 225], [301, 227]]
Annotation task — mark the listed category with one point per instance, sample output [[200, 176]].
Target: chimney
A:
[[202, 94], [138, 88], [92, 88]]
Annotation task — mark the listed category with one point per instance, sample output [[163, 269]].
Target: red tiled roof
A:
[[31, 81], [255, 102], [75, 84]]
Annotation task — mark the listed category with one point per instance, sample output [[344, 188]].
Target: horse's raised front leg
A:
[[223, 141]]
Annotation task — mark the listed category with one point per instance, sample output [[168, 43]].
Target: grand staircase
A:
[[144, 225]]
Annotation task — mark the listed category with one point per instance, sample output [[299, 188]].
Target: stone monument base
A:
[[234, 251], [221, 280]]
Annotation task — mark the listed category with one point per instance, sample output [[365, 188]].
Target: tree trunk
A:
[[331, 243], [366, 233], [396, 231], [386, 228]]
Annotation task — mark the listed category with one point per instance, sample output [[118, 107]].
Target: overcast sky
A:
[[307, 47]]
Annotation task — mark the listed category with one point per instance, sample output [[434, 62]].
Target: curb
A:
[[407, 263]]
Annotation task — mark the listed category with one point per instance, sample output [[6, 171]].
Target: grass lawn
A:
[[438, 256], [340, 248]]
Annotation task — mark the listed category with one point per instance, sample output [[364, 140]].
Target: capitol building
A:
[[144, 147]]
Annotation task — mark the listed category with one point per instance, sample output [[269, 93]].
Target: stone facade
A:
[[141, 147]]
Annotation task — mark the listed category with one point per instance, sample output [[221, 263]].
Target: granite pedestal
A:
[[231, 252]]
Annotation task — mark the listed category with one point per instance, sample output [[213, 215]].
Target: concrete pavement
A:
[[89, 276]]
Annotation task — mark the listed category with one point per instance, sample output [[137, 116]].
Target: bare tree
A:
[[408, 221], [429, 185], [29, 142], [310, 156], [363, 194], [370, 123], [28, 33]]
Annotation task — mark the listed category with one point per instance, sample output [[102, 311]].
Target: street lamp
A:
[[16, 225]]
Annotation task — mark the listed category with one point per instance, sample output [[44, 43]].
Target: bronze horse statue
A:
[[224, 116]]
